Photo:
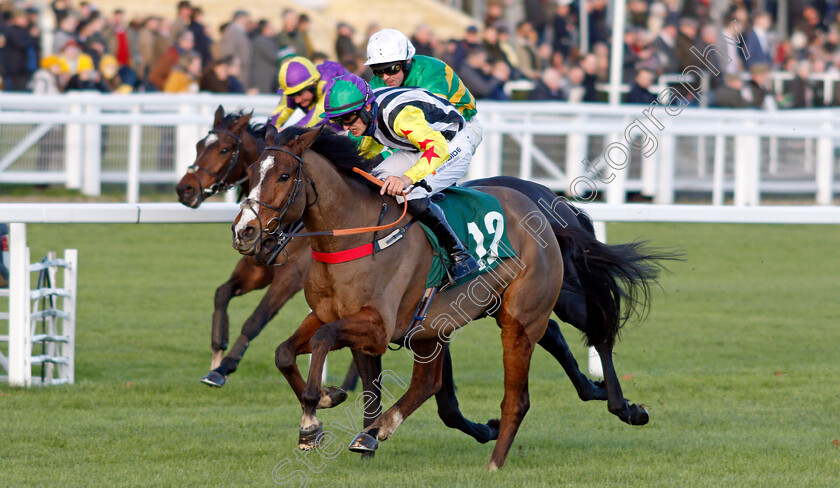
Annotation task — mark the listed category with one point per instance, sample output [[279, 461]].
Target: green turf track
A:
[[738, 364]]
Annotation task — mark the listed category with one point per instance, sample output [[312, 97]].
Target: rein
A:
[[298, 183], [220, 184]]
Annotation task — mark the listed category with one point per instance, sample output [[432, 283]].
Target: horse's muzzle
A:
[[246, 240], [188, 195]]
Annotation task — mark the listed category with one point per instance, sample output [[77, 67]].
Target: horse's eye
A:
[[284, 177], [225, 150]]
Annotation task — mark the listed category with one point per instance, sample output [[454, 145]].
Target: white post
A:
[[596, 369], [185, 137], [665, 185], [92, 163], [617, 51], [575, 153], [68, 325], [825, 168], [20, 345], [747, 168], [526, 158], [495, 149], [717, 178], [73, 147], [133, 185], [648, 175], [616, 192]]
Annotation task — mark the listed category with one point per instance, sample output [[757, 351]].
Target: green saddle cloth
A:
[[479, 222]]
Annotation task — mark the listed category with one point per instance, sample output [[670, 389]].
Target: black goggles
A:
[[346, 119], [389, 70]]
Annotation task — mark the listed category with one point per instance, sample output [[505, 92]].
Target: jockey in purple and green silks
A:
[[302, 86], [434, 147]]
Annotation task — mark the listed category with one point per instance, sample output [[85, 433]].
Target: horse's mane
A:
[[254, 129], [338, 149]]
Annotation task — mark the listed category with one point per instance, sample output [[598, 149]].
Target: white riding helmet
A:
[[389, 46]]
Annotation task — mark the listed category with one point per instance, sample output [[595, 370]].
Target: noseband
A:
[[281, 238], [220, 184]]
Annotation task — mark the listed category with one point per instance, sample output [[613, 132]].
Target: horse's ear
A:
[[220, 114], [304, 141], [242, 122], [270, 134]]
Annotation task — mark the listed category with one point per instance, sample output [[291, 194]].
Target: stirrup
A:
[[471, 266]]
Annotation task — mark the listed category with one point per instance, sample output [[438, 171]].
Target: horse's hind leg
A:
[[287, 281], [518, 348], [628, 412], [247, 276], [425, 382], [556, 345], [451, 415]]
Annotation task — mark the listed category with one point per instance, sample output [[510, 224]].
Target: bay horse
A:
[[352, 308], [234, 142]]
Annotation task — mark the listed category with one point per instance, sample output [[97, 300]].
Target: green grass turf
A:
[[738, 364]]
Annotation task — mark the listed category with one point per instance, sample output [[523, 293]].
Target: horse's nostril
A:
[[247, 233], [185, 191]]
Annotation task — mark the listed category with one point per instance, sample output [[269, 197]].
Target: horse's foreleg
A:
[[628, 412], [246, 276], [285, 359], [363, 331], [556, 345], [450, 413], [425, 382], [283, 287]]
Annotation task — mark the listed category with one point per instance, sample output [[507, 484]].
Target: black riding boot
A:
[[461, 264]]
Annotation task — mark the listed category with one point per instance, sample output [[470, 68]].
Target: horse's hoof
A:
[[214, 379], [364, 443], [638, 415], [310, 437], [331, 396]]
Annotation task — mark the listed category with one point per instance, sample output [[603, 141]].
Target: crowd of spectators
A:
[[92, 51]]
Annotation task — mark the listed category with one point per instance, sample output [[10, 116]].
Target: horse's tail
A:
[[616, 279]]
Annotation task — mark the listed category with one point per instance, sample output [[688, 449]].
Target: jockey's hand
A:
[[393, 185]]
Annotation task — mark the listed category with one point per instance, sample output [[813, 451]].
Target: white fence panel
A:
[[554, 143]]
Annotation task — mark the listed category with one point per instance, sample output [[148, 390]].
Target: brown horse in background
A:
[[365, 305], [221, 163]]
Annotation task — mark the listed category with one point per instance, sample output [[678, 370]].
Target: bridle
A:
[[281, 238], [220, 184]]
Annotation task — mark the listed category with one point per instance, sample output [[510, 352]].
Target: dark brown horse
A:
[[365, 305]]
